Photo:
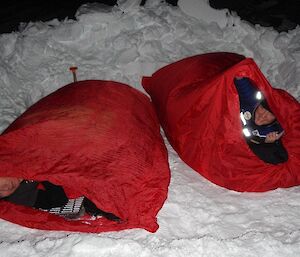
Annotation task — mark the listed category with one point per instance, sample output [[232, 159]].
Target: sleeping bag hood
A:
[[100, 139], [198, 107]]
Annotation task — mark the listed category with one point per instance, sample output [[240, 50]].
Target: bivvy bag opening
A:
[[98, 139], [198, 107]]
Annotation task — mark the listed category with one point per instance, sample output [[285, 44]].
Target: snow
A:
[[202, 11], [123, 44]]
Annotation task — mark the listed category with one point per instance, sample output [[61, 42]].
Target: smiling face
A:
[[263, 116], [8, 185]]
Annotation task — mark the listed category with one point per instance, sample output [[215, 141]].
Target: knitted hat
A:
[[264, 104]]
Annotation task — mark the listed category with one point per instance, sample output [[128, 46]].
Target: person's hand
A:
[[273, 136], [8, 185]]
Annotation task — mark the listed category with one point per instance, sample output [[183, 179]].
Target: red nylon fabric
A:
[[100, 139], [198, 107]]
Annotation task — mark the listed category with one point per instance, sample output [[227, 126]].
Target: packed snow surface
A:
[[123, 44]]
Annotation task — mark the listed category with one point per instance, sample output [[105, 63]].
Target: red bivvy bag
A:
[[198, 107], [100, 139]]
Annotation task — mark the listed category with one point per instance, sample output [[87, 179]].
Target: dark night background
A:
[[283, 15]]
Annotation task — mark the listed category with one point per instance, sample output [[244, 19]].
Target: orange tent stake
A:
[[73, 69]]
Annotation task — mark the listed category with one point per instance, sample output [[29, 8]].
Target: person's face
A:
[[263, 116], [8, 185]]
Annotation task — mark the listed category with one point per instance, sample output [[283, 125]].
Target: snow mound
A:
[[124, 44]]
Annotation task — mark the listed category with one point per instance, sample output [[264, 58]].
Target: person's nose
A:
[[261, 117]]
